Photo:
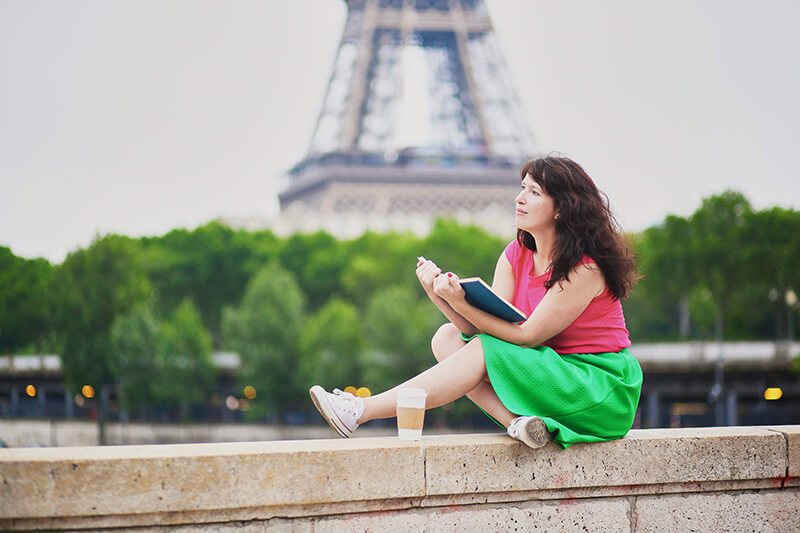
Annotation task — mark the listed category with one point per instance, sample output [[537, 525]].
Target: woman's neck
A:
[[545, 244]]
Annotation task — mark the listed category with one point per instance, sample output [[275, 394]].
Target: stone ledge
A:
[[129, 486], [645, 458], [792, 434]]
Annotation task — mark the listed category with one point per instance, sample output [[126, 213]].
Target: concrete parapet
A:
[[653, 480], [792, 454]]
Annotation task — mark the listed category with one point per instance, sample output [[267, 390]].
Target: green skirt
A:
[[581, 397]]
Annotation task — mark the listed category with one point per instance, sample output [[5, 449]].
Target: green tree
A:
[[771, 255], [210, 265], [399, 327], [186, 370], [264, 330], [134, 348], [331, 344], [464, 249], [93, 288], [377, 261], [317, 261], [716, 236], [24, 303], [659, 306]]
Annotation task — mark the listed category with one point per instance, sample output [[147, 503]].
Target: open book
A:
[[481, 295]]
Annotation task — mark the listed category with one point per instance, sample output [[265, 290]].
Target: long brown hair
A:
[[584, 225]]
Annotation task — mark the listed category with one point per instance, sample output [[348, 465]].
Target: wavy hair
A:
[[585, 225]]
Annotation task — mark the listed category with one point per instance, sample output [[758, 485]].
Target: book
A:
[[479, 294]]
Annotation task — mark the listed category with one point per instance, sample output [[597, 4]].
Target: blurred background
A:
[[155, 286]]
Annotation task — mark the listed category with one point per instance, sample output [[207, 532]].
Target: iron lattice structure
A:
[[420, 119]]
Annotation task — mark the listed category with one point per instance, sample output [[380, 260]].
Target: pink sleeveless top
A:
[[601, 326]]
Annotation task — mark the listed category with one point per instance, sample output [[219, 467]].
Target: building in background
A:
[[420, 120]]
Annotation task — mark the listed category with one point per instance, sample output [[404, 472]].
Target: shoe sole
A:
[[320, 398], [535, 433]]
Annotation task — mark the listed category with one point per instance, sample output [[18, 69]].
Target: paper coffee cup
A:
[[410, 413]]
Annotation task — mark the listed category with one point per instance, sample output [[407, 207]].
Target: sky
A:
[[141, 116]]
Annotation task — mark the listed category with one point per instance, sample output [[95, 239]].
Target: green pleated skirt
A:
[[581, 397]]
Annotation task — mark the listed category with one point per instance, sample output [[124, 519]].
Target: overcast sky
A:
[[140, 116]]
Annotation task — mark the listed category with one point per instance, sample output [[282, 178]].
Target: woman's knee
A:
[[446, 341]]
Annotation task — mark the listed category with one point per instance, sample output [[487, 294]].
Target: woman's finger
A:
[[453, 280]]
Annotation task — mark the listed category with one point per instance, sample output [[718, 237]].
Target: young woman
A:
[[565, 373]]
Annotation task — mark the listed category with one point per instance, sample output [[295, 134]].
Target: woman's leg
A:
[[453, 377], [445, 342]]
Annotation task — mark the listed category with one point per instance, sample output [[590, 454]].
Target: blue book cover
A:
[[481, 295]]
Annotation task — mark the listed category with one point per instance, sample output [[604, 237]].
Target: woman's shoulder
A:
[[512, 251], [519, 257], [589, 271]]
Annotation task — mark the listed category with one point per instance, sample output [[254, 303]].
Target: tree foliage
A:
[[399, 325], [317, 262], [658, 307], [717, 230], [723, 272], [377, 261], [330, 347], [25, 315], [93, 287], [162, 363], [465, 250], [186, 371], [134, 357], [210, 266], [264, 330]]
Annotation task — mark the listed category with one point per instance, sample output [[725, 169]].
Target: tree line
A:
[[142, 316]]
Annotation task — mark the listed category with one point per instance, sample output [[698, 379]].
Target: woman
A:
[[565, 373]]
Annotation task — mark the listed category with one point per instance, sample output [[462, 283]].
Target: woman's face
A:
[[534, 207]]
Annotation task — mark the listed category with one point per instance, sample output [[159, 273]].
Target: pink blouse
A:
[[601, 326]]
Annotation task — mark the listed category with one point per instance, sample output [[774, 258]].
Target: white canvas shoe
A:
[[340, 409], [529, 429]]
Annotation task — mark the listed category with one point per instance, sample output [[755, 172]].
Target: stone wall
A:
[[709, 479]]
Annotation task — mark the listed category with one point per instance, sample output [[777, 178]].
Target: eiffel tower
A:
[[419, 120]]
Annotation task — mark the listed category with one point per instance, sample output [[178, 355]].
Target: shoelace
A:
[[349, 399], [513, 428]]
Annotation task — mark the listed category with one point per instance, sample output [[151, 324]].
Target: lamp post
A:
[[791, 302], [715, 395]]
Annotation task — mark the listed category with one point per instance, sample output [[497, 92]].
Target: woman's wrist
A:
[[458, 305]]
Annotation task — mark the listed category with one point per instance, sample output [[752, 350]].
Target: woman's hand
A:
[[430, 276], [448, 288], [427, 272]]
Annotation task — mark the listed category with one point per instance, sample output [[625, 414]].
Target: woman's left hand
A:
[[447, 287]]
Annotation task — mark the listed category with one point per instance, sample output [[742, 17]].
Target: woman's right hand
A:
[[427, 272]]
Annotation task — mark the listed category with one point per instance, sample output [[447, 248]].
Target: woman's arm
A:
[[503, 283], [559, 308], [427, 272]]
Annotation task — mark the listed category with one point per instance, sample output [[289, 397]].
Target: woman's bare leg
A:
[[445, 342], [456, 375]]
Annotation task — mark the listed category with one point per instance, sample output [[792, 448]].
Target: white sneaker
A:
[[341, 409], [529, 429]]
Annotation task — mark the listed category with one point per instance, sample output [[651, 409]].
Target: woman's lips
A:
[[521, 212]]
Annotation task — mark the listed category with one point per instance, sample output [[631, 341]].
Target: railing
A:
[[658, 352]]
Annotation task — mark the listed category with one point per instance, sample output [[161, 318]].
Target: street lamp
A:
[[791, 302], [790, 298]]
